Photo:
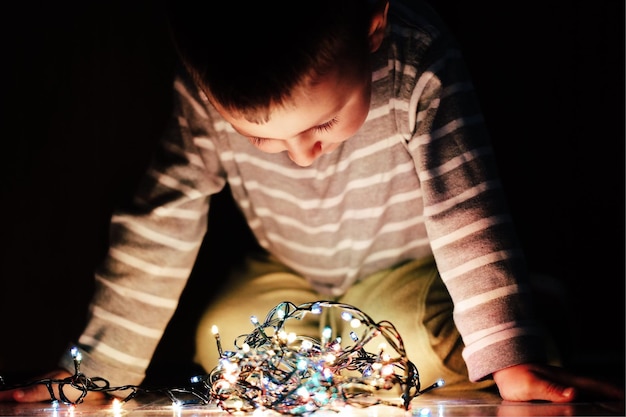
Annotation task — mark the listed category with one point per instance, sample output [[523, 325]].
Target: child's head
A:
[[261, 61]]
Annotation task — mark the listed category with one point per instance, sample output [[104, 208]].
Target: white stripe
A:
[[453, 163], [445, 130], [182, 121], [488, 337], [361, 214], [299, 173], [149, 268], [485, 297], [180, 245], [468, 230], [468, 194], [140, 296], [477, 263], [106, 350], [173, 183], [177, 150], [415, 96], [199, 110], [326, 272], [457, 87], [178, 213], [396, 252], [356, 184], [204, 143], [383, 110], [126, 324], [420, 85], [343, 244]]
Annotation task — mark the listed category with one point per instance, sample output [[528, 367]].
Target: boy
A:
[[353, 143]]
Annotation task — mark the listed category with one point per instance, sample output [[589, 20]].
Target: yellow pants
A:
[[412, 297]]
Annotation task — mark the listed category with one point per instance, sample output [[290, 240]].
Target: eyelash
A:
[[257, 141], [324, 127]]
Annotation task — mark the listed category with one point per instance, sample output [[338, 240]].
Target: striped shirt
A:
[[419, 179]]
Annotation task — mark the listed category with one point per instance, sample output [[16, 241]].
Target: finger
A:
[[539, 389], [552, 391], [35, 393], [6, 395], [588, 387]]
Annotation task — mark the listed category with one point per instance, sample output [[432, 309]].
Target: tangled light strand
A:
[[291, 374], [273, 369]]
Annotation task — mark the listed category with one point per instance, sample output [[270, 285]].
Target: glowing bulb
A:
[[303, 393], [76, 355], [302, 364], [321, 397], [116, 406], [216, 333], [327, 332], [346, 316], [354, 323], [387, 370]]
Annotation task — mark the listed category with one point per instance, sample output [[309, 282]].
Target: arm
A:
[[471, 232], [154, 244], [475, 243]]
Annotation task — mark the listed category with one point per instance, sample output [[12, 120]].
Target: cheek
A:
[[353, 124]]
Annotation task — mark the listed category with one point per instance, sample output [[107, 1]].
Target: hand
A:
[[528, 382], [39, 392]]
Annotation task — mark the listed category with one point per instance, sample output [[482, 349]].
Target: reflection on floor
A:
[[433, 404]]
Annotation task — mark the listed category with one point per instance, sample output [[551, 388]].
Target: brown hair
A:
[[250, 56]]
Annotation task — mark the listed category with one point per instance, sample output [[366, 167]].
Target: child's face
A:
[[318, 120]]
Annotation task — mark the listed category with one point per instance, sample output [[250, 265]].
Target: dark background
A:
[[85, 94]]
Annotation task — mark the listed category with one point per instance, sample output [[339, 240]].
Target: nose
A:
[[304, 153]]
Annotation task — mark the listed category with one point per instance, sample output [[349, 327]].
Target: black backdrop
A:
[[85, 92]]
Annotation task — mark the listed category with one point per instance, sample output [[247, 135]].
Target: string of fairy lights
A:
[[275, 369]]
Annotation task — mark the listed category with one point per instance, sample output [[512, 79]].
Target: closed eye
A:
[[257, 141], [325, 127]]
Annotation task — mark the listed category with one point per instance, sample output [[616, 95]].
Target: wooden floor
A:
[[428, 405]]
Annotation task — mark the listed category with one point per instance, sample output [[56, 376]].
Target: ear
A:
[[378, 24]]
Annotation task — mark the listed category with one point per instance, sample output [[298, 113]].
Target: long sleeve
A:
[[466, 216], [154, 244]]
